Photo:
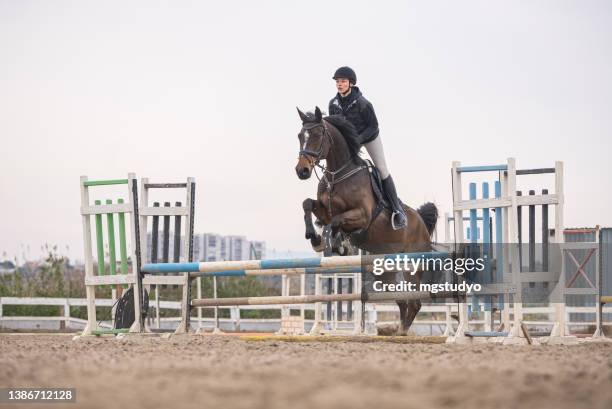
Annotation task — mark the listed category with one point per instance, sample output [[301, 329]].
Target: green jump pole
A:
[[111, 241], [105, 182], [122, 242], [99, 242], [112, 257]]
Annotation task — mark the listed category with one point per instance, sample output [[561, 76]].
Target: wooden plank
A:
[[458, 230], [536, 200], [87, 248], [506, 202], [105, 209], [110, 280], [513, 254], [308, 299], [164, 211], [462, 205], [164, 280], [582, 291]]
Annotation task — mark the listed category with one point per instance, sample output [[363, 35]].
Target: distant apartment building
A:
[[215, 247], [238, 247], [209, 247]]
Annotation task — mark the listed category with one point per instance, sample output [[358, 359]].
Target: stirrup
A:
[[401, 225]]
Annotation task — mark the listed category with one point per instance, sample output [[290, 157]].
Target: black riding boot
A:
[[398, 218]]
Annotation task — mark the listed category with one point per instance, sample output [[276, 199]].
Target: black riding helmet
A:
[[346, 72]]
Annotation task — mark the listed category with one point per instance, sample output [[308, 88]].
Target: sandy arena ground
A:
[[229, 372]]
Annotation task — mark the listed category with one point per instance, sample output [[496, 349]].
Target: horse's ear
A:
[[318, 114], [303, 116]]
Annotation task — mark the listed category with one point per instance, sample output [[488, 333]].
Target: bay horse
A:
[[347, 203]]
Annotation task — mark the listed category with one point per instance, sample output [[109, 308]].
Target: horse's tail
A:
[[429, 214]]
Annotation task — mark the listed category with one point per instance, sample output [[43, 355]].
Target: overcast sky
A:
[[209, 89]]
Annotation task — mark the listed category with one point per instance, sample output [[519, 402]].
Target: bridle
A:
[[317, 155], [317, 158]]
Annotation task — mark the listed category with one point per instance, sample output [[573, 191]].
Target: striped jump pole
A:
[[310, 299], [280, 271], [313, 262]]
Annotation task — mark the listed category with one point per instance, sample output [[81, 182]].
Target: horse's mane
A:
[[346, 129]]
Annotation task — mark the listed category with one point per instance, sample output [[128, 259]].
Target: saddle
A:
[[382, 203], [377, 188]]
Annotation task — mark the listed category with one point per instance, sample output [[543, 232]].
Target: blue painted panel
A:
[[486, 168], [290, 263], [171, 267]]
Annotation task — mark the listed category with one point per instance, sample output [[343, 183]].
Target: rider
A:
[[350, 103]]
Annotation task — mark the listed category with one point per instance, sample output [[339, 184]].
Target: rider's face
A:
[[342, 85]]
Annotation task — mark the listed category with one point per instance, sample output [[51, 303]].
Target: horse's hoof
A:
[[386, 329], [318, 249], [317, 244]]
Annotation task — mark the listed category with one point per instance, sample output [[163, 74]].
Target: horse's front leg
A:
[[311, 206]]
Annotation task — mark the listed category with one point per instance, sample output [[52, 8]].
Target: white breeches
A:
[[377, 153]]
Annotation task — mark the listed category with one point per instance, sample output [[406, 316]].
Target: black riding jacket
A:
[[357, 110]]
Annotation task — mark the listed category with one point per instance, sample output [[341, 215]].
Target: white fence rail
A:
[[432, 319]]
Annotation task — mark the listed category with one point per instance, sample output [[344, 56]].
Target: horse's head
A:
[[314, 142]]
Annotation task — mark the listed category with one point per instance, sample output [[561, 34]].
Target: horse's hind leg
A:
[[403, 309], [410, 313], [310, 206]]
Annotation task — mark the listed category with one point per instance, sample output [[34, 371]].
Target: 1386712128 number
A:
[[37, 395]]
